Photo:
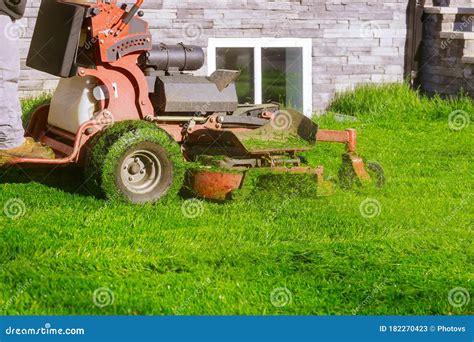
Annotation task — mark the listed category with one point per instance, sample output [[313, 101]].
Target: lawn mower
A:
[[131, 114]]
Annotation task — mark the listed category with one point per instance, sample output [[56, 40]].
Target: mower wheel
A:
[[377, 173], [347, 175], [348, 178], [135, 162]]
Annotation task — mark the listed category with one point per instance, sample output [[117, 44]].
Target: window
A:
[[272, 69], [239, 59]]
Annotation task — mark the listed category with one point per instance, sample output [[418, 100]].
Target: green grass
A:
[[29, 105], [229, 259]]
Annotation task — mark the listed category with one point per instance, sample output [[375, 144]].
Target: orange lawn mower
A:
[[131, 115]]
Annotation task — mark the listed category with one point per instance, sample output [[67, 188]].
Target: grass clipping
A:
[[276, 142], [275, 185], [261, 181]]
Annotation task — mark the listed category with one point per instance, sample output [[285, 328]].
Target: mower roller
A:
[[132, 115]]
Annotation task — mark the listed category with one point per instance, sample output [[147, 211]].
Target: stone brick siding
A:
[[354, 41], [452, 3], [447, 52]]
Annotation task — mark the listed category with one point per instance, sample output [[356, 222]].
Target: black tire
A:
[[348, 178], [135, 162], [347, 175], [377, 174]]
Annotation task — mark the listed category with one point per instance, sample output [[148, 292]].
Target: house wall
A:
[[447, 52], [354, 41], [450, 3]]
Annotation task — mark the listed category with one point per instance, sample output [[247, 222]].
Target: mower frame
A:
[[116, 69]]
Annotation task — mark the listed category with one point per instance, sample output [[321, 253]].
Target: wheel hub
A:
[[141, 171], [135, 168]]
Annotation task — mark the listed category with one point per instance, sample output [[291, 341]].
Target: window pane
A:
[[239, 59], [282, 79]]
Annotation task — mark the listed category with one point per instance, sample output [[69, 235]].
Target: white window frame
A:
[[257, 44]]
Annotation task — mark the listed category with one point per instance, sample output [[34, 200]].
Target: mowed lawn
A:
[[397, 250]]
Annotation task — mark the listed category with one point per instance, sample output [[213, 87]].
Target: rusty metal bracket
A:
[[349, 138]]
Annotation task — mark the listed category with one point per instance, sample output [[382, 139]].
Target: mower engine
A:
[[173, 92]]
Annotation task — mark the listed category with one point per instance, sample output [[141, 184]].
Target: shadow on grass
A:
[[67, 179]]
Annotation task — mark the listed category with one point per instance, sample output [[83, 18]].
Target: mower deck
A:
[[220, 185]]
